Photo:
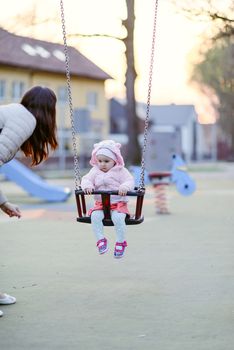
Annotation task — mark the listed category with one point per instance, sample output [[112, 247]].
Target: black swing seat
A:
[[135, 219]]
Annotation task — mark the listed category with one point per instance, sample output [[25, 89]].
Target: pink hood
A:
[[112, 146]]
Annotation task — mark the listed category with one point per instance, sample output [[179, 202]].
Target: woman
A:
[[29, 126]]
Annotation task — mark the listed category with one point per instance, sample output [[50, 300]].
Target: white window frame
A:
[[2, 89], [62, 94], [17, 89], [92, 100]]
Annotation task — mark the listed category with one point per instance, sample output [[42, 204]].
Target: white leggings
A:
[[118, 220]]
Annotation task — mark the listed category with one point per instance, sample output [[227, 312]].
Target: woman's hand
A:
[[10, 209]]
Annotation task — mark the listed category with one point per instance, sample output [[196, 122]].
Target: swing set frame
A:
[[139, 191]]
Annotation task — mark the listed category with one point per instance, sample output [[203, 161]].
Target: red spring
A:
[[161, 199]]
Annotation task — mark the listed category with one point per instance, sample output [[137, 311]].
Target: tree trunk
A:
[[133, 151]]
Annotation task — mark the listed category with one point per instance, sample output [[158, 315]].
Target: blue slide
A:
[[32, 183]]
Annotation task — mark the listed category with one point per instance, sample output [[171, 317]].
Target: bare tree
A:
[[219, 14], [29, 20], [216, 71], [134, 153], [133, 149], [216, 67]]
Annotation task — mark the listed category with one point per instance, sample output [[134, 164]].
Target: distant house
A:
[[181, 120], [26, 62], [118, 117], [178, 121]]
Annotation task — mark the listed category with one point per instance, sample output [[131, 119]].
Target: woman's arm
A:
[[18, 126], [8, 208]]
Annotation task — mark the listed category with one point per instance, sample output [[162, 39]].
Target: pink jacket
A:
[[117, 178]]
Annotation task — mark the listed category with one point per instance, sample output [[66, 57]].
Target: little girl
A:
[[109, 173]]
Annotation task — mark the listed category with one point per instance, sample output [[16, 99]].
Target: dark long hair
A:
[[41, 102]]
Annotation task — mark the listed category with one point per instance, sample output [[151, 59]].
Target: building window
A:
[[92, 100], [82, 120], [17, 90], [62, 94], [2, 89]]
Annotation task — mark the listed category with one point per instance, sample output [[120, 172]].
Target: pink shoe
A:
[[119, 249], [102, 246]]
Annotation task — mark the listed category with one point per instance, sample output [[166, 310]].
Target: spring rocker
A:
[[165, 166]]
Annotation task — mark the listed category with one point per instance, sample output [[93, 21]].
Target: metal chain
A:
[[74, 140], [142, 174], [74, 143]]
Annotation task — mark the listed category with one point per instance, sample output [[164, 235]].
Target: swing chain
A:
[[74, 140], [76, 158], [142, 175]]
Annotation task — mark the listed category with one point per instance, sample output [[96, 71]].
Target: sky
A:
[[176, 41]]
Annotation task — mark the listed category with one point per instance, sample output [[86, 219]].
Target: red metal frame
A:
[[106, 195]]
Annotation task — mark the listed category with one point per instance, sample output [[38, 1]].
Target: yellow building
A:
[[26, 62]]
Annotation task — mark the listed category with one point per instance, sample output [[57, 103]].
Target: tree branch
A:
[[215, 16], [94, 35]]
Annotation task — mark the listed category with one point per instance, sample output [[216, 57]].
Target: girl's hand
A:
[[122, 192], [88, 190], [10, 209]]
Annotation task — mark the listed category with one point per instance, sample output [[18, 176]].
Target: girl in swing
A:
[[108, 173]]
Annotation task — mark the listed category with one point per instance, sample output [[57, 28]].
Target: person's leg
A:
[[120, 226], [120, 229], [97, 225]]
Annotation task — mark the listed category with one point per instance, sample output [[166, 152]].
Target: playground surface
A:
[[174, 289]]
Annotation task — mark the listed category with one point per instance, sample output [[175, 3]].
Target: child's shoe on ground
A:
[[102, 246], [119, 249], [1, 313]]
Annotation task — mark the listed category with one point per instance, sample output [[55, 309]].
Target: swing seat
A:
[[135, 219]]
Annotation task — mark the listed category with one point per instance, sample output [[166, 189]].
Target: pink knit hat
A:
[[108, 148], [106, 152]]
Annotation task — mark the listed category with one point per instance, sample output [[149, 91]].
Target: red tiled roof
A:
[[39, 55]]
